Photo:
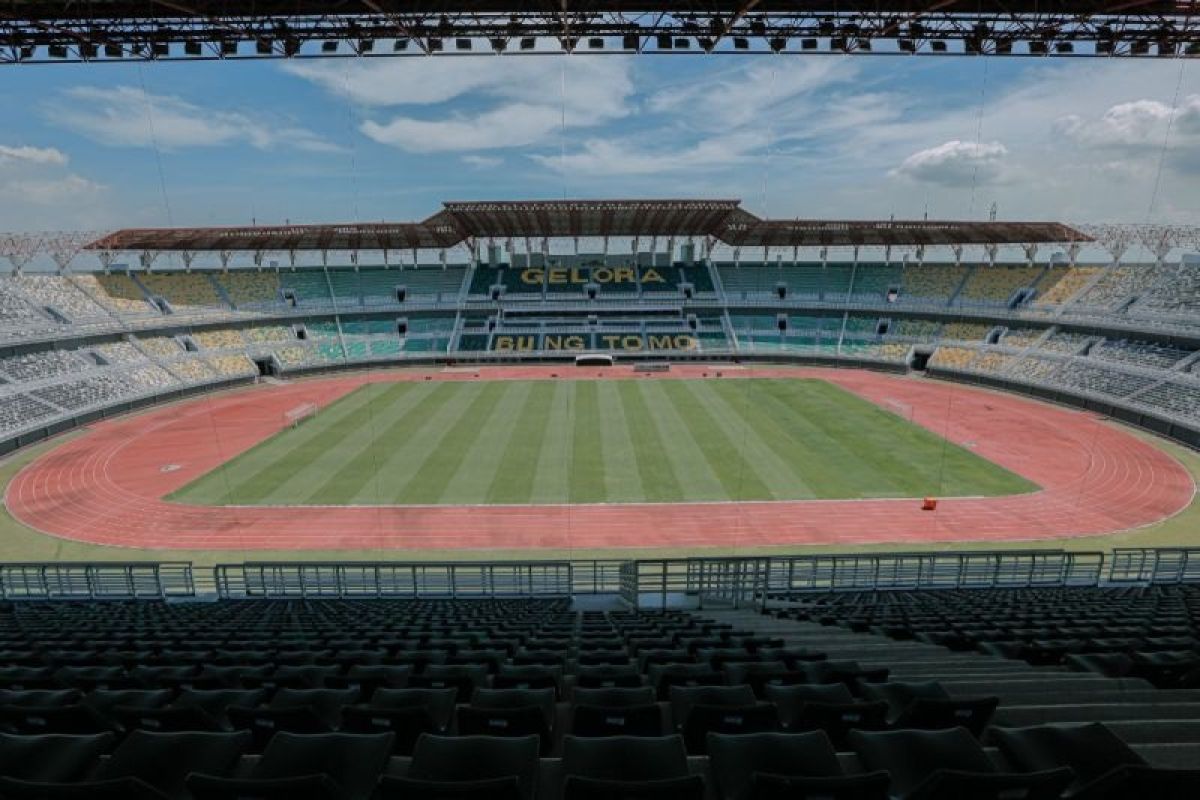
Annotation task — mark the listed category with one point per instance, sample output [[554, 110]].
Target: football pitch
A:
[[587, 441]]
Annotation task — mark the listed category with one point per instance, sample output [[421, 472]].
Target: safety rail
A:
[[1155, 566], [369, 579], [731, 581], [956, 570], [134, 580]]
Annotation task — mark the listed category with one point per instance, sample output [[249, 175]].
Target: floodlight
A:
[[595, 43], [937, 46], [329, 46], [778, 43], [400, 45], [191, 48], [160, 49], [682, 44], [57, 51], [1003, 47], [263, 47], [741, 43], [366, 45], [864, 45], [808, 44], [88, 50], [1038, 48], [462, 44], [906, 45], [1064, 48], [1139, 48], [663, 41], [630, 41], [291, 46], [837, 43], [229, 48], [758, 27], [112, 51], [435, 44], [528, 43]]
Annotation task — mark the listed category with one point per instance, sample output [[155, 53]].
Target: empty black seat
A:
[[51, 757], [468, 766], [616, 712], [826, 707], [1105, 767], [509, 712], [406, 713], [294, 711], [927, 706], [949, 765], [607, 676], [759, 766], [464, 678], [332, 766], [628, 767], [145, 765]]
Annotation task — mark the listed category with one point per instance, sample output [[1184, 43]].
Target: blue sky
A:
[[364, 139]]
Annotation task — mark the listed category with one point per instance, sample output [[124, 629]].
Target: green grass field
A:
[[517, 442]]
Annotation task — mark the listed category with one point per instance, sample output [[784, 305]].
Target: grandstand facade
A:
[[702, 280]]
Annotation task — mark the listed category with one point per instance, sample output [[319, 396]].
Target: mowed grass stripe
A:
[[389, 405], [725, 455], [697, 478], [551, 478], [403, 445], [587, 459], [365, 478], [621, 479], [445, 457], [659, 483], [514, 478], [794, 440], [481, 462], [869, 452], [269, 464], [783, 476]]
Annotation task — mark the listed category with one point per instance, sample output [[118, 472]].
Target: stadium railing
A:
[[732, 581], [100, 581]]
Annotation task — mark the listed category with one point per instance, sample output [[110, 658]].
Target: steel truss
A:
[[101, 31]]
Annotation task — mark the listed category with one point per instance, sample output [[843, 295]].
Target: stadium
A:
[[598, 498]]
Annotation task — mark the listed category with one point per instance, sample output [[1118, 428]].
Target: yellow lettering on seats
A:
[[573, 343], [577, 276], [552, 342], [610, 340], [685, 342], [602, 275], [557, 275], [631, 343], [502, 343], [533, 276], [650, 275], [624, 275], [659, 342]]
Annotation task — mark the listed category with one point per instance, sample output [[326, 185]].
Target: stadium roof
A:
[[104, 30], [721, 220]]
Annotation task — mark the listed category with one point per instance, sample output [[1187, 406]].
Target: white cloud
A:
[[623, 157], [956, 163], [54, 191], [482, 162], [498, 103], [32, 155], [124, 116]]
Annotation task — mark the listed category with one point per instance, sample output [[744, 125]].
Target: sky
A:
[[212, 143]]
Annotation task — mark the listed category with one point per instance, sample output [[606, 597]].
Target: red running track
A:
[[106, 487]]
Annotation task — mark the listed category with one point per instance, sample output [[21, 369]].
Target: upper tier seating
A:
[[183, 290], [250, 289], [1119, 283], [996, 284], [932, 283], [1060, 284], [115, 292], [61, 294]]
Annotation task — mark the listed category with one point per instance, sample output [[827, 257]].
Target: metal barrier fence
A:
[[1155, 566], [99, 581], [368, 579], [646, 583]]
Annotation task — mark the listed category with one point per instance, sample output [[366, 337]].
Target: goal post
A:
[[294, 416]]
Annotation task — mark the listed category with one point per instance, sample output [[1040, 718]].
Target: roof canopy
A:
[[721, 220]]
